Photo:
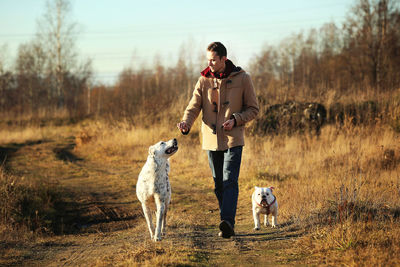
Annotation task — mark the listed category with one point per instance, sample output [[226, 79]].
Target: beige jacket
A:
[[233, 96]]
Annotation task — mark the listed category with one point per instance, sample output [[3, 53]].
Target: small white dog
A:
[[153, 182], [264, 202]]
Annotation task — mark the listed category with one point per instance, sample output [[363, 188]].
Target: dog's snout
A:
[[264, 196]]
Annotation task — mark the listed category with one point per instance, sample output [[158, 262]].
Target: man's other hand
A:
[[228, 125]]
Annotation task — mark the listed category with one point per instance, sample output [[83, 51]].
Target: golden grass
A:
[[339, 187], [336, 186], [33, 133], [148, 254]]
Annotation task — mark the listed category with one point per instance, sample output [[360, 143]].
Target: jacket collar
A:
[[229, 68]]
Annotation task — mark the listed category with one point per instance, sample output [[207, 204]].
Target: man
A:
[[225, 95]]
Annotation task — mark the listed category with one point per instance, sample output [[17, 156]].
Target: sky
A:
[[128, 33]]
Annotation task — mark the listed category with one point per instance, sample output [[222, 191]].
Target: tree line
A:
[[361, 55], [358, 57]]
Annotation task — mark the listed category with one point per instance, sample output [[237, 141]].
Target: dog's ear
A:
[[256, 187], [152, 151], [272, 188]]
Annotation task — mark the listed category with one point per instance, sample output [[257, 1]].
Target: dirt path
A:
[[101, 223]]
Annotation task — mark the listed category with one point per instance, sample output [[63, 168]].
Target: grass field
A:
[[67, 197]]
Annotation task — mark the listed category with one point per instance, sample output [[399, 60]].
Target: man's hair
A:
[[217, 47]]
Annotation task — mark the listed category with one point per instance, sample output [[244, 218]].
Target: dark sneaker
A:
[[226, 229]]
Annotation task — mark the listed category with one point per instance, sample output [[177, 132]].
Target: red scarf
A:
[[229, 67]]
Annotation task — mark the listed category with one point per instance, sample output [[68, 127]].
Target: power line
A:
[[124, 33]]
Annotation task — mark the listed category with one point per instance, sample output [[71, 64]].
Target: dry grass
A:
[[342, 189], [17, 134], [27, 207]]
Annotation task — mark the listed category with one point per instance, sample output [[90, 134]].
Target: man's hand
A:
[[228, 125], [183, 127]]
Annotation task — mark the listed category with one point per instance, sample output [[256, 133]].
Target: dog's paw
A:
[[274, 226], [256, 228], [157, 238]]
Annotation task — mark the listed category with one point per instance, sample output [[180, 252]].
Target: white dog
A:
[[153, 183], [264, 202]]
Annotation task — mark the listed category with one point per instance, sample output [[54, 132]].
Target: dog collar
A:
[[268, 205]]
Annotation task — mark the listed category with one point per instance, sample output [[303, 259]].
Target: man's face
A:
[[215, 63]]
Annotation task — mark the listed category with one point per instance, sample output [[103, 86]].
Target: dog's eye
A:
[[267, 194], [162, 143]]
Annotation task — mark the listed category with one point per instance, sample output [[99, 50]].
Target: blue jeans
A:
[[225, 167]]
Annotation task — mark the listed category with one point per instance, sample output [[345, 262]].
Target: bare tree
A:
[[30, 72], [4, 78], [369, 31], [57, 36]]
